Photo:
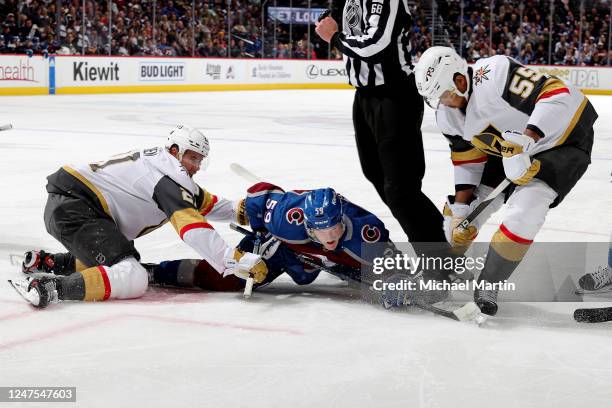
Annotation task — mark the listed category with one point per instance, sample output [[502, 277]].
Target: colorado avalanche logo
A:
[[295, 215], [353, 13], [370, 233]]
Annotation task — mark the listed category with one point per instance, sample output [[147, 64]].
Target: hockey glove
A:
[[454, 213], [396, 292], [269, 245], [243, 264], [515, 149], [240, 214]]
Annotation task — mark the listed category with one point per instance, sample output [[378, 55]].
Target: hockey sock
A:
[[195, 273], [86, 285], [505, 254], [175, 273], [96, 283], [71, 287], [206, 277]]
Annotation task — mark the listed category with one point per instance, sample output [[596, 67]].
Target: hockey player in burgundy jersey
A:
[[540, 128], [96, 211]]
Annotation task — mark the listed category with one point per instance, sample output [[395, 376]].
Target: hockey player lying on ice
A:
[[96, 211], [541, 128], [298, 231]]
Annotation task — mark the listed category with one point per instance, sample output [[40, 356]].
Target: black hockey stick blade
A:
[[594, 315], [240, 229], [467, 313], [602, 291]]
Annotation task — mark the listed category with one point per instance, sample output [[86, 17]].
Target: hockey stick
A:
[[248, 287], [602, 291], [484, 204], [244, 173], [468, 312], [594, 315], [8, 126]]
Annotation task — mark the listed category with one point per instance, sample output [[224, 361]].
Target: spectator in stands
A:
[[35, 23]]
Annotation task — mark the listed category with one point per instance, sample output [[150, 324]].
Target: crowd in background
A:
[[183, 28], [521, 29]]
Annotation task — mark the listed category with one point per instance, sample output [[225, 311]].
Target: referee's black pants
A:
[[389, 142]]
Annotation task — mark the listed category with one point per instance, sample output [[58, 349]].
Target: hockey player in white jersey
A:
[[96, 211], [540, 127]]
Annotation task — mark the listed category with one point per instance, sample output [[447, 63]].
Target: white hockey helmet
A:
[[188, 138], [435, 71]]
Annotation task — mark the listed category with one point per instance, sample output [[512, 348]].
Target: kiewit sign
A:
[[82, 71]]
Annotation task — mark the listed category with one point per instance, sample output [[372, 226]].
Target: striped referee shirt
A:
[[375, 41]]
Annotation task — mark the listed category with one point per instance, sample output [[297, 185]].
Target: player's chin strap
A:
[[465, 94], [468, 90]]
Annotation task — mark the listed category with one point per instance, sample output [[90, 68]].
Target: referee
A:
[[387, 109]]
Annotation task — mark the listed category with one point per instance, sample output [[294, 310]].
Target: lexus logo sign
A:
[[312, 72]]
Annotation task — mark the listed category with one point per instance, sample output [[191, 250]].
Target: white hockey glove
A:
[[454, 213], [242, 264], [515, 149]]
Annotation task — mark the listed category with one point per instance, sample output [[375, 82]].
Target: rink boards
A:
[[22, 75]]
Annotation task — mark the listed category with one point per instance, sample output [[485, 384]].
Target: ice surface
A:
[[290, 346]]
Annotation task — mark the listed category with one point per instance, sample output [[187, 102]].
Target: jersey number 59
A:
[[523, 81], [270, 204]]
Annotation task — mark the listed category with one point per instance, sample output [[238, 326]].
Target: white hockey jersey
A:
[[506, 95], [142, 190]]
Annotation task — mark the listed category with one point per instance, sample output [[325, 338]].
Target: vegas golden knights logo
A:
[[489, 141]]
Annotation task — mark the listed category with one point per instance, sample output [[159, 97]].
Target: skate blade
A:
[[16, 259], [21, 287]]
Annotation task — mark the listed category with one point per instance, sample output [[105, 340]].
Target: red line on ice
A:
[[57, 332], [16, 315]]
